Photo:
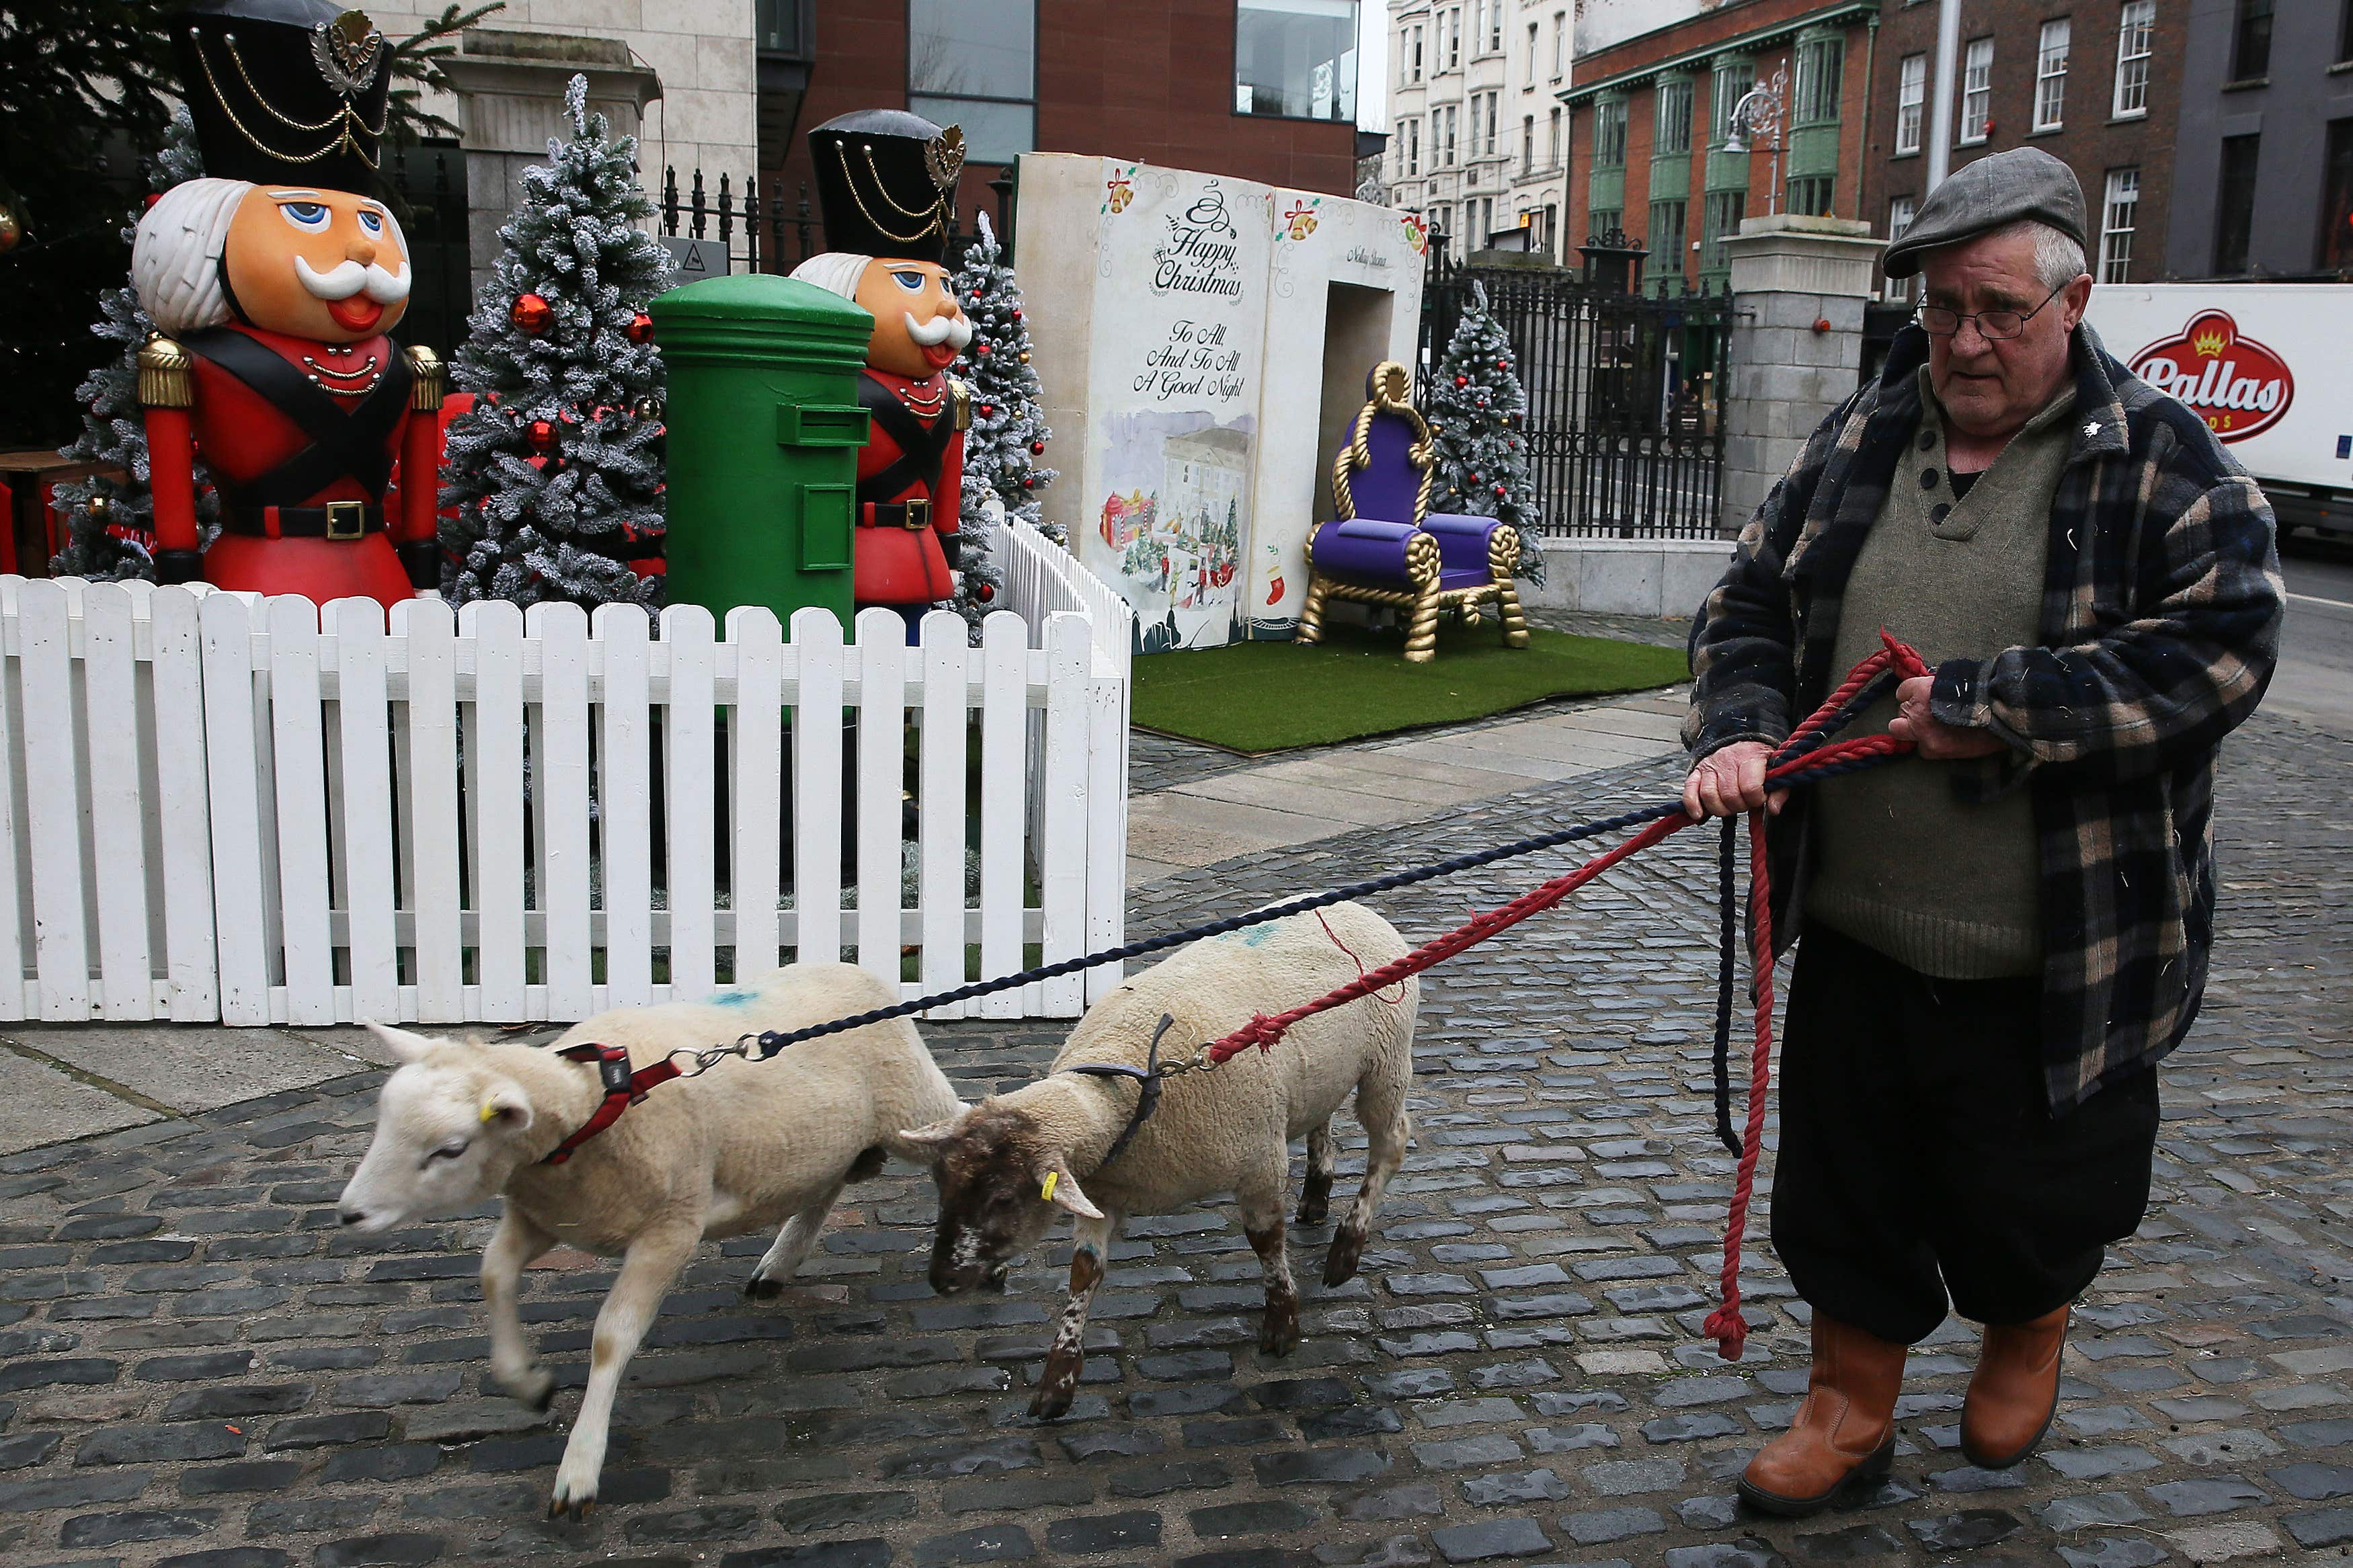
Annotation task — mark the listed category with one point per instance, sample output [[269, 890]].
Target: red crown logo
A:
[[2239, 386]]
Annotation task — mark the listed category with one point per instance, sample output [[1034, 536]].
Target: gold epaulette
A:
[[432, 380], [961, 396], [166, 374]]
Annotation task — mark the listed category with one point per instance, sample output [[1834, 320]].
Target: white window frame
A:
[[1413, 145], [2120, 199], [1417, 52], [1451, 126], [1531, 84], [1559, 42], [1911, 102], [1977, 68], [1527, 145], [1494, 27], [2051, 74], [1494, 115], [1454, 39], [1552, 157], [2136, 42]]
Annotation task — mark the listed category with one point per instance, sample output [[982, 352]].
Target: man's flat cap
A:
[[1976, 198]]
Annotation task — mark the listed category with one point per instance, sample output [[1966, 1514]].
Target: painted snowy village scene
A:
[[792, 783]]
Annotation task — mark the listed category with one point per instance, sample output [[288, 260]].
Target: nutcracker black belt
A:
[[343, 521], [914, 515]]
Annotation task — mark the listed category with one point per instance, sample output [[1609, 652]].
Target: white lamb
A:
[[746, 1145], [1005, 1165]]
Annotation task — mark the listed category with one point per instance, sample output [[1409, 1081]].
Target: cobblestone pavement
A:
[[1158, 762], [203, 1371]]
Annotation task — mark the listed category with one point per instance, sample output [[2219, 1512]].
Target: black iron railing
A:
[[1624, 432]]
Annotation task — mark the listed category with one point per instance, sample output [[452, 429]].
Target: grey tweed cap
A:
[[2024, 183]]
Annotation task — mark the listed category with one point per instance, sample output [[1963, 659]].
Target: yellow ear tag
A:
[[489, 1111], [1047, 1192]]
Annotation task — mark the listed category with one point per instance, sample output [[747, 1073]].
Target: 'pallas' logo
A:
[[2236, 384]]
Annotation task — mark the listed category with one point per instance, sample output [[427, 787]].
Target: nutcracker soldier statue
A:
[[272, 284], [886, 184]]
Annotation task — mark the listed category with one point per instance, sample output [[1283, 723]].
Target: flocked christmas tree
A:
[[1480, 419], [1002, 451], [555, 473], [110, 524]]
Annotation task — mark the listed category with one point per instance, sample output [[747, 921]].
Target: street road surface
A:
[[2314, 683]]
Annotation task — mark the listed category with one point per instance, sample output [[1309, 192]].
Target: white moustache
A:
[[953, 331], [348, 278]]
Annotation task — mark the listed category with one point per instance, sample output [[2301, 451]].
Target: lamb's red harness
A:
[[623, 1089]]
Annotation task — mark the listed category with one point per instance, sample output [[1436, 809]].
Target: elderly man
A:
[[2002, 938]]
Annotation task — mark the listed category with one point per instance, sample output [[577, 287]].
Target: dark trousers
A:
[[1918, 1155]]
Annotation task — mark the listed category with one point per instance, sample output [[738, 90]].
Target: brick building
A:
[[2097, 83], [1254, 88], [1651, 116], [1477, 129]]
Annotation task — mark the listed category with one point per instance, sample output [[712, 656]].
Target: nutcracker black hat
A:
[[285, 91], [886, 183]]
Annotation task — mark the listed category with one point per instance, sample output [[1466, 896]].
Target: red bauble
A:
[[541, 436], [1477, 480], [1036, 446], [1499, 490], [1017, 313], [984, 593], [980, 348], [640, 329], [1462, 381], [1503, 364], [987, 409], [1028, 482], [532, 313]]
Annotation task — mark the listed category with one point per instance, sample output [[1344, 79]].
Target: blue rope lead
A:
[[769, 1042]]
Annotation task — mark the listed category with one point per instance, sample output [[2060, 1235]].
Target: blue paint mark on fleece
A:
[[733, 997], [1251, 936]]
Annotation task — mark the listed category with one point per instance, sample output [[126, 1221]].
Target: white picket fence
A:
[[216, 806]]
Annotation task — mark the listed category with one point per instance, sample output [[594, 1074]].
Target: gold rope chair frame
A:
[[1392, 387]]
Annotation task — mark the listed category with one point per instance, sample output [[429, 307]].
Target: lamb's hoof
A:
[[760, 1287], [1313, 1207], [1340, 1262], [1051, 1402], [576, 1509], [535, 1390], [1278, 1335]]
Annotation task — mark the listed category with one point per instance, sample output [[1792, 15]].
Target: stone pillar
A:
[[509, 87], [1798, 286]]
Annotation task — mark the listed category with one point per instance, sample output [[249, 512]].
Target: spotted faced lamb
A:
[[1005, 1165], [745, 1146]]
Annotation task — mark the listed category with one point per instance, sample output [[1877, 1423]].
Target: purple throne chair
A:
[[1388, 548]]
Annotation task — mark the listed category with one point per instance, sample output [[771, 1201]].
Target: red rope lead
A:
[[1725, 1326], [1264, 1031]]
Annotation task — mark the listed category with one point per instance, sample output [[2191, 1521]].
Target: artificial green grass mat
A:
[[1273, 696]]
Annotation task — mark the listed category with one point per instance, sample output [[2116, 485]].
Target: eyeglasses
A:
[[1943, 323]]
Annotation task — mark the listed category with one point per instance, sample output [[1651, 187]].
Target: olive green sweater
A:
[[1944, 885]]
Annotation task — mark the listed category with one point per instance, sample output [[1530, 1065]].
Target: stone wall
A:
[[1799, 285]]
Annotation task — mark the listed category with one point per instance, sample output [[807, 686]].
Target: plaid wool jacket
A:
[[2159, 626]]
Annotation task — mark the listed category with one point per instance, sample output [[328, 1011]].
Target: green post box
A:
[[764, 429]]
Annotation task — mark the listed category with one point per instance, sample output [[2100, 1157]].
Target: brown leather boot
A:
[[2014, 1392], [1844, 1431]]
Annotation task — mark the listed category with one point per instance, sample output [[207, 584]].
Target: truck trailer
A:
[[2267, 366]]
